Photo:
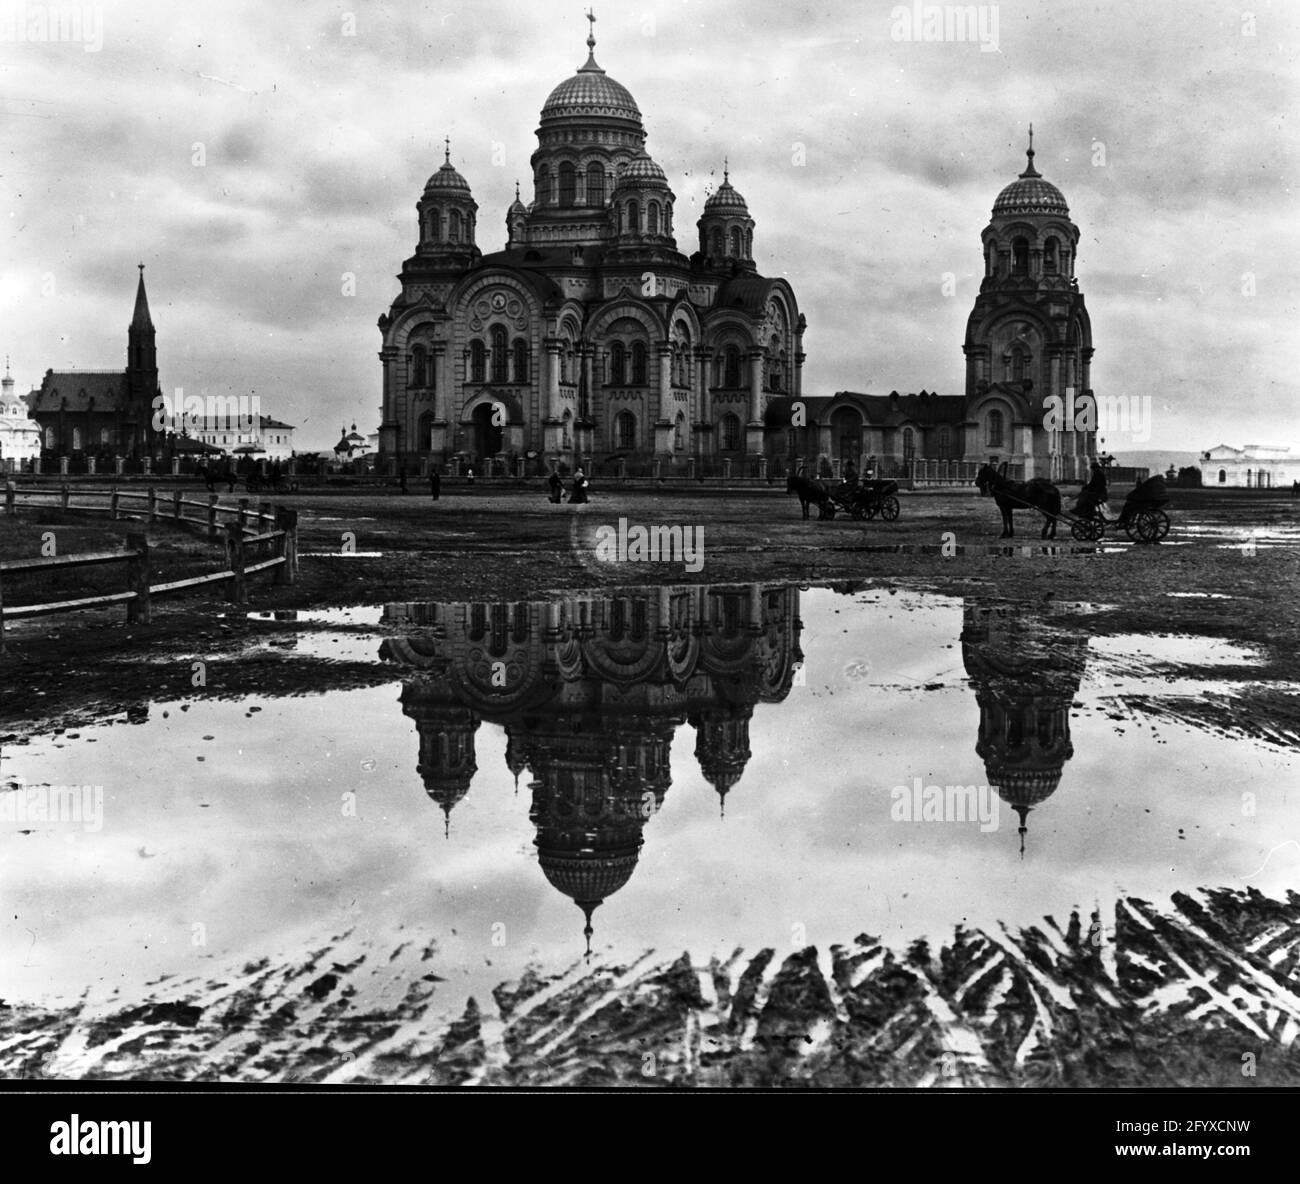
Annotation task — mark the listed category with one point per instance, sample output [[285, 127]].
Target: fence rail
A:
[[247, 548]]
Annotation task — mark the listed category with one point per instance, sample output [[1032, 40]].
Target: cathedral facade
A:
[[591, 336]]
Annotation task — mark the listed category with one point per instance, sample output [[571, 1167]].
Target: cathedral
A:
[[591, 336]]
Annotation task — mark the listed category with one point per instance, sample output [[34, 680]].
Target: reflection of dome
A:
[[1030, 194], [588, 879], [722, 748]]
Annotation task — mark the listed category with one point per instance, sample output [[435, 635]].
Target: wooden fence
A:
[[250, 548]]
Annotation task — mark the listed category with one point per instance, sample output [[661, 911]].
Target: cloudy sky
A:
[[254, 156]]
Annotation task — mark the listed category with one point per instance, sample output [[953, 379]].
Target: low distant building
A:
[[20, 434], [352, 445], [1256, 466], [233, 434]]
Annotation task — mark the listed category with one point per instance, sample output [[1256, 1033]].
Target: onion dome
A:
[[516, 206], [726, 198], [590, 93], [1030, 194], [588, 878], [447, 180], [642, 172]]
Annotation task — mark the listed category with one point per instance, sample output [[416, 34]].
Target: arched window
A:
[[520, 360], [633, 218], [945, 444], [736, 242], [566, 430], [994, 428], [1020, 256], [731, 367], [729, 433], [1223, 476], [1019, 365], [715, 243], [544, 185], [652, 218], [500, 356], [105, 436], [679, 432], [568, 184], [419, 367], [1050, 255], [76, 439], [638, 363], [595, 184], [49, 437], [454, 228], [909, 444], [617, 364], [424, 432], [625, 431], [477, 361], [435, 225], [749, 244]]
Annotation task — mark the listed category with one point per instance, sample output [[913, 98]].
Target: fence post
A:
[[11, 499], [137, 569], [112, 504], [65, 492], [235, 550], [287, 521], [243, 512], [176, 505], [153, 503], [213, 498]]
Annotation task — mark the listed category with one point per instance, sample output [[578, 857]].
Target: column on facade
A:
[[553, 346], [389, 428], [755, 385]]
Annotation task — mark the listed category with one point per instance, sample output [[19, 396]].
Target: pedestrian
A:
[[557, 488], [435, 482], [850, 473], [579, 494], [470, 474]]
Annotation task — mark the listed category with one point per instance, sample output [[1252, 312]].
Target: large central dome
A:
[[591, 93]]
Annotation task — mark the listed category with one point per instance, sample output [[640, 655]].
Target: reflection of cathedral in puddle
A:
[[590, 691], [1026, 675]]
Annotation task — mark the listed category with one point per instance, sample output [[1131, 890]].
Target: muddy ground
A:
[[1232, 557]]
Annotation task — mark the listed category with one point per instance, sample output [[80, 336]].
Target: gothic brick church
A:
[[591, 334]]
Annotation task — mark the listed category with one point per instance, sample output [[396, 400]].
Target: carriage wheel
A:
[[870, 509], [889, 509], [1096, 530], [1164, 524], [1081, 529], [1144, 527], [857, 512]]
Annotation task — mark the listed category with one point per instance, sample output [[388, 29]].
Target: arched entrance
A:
[[486, 437]]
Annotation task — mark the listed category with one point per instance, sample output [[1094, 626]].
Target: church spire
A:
[[1030, 171], [140, 320]]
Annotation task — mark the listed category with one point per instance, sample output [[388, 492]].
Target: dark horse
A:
[[810, 493], [1038, 494]]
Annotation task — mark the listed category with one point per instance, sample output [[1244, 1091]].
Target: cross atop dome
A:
[[1030, 171], [591, 66], [446, 151]]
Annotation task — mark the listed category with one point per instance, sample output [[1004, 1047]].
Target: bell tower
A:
[[1028, 340]]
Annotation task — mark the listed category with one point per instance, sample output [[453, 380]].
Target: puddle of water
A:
[[357, 614], [533, 764], [1201, 595], [342, 554]]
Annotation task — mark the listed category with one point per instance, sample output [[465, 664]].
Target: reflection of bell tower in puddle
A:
[[591, 691], [1026, 675]]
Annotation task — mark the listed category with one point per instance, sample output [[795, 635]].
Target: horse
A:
[[810, 492], [1037, 494]]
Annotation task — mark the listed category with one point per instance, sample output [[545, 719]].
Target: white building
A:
[[20, 434], [230, 433], [1256, 466]]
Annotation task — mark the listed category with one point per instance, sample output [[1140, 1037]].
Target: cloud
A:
[[1165, 125]]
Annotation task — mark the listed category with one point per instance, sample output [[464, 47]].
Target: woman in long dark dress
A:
[[579, 494]]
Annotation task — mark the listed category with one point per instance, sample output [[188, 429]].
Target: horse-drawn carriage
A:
[[861, 500], [1143, 517], [866, 499]]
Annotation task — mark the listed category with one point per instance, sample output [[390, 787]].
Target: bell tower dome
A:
[[726, 229], [448, 213]]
